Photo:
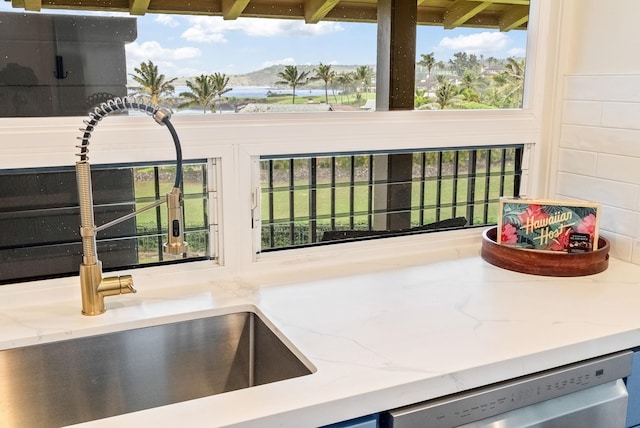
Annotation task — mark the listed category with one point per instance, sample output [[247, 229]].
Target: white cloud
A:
[[283, 61], [213, 28], [203, 34], [169, 61], [167, 20], [479, 43], [152, 50]]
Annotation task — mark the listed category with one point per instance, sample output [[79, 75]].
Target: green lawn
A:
[[146, 222], [193, 204], [360, 201], [346, 200], [301, 98]]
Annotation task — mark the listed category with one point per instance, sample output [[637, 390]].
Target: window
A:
[[240, 141], [469, 68], [152, 182], [39, 217], [322, 199], [203, 64]]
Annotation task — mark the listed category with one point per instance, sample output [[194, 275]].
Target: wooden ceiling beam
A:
[[462, 11], [514, 17], [361, 13], [506, 2], [33, 5], [315, 10], [232, 9], [138, 7], [184, 7], [430, 12]]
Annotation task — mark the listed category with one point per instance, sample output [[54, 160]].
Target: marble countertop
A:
[[405, 333]]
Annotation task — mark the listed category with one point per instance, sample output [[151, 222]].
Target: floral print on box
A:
[[549, 226]]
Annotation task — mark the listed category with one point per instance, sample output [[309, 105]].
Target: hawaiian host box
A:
[[567, 226]]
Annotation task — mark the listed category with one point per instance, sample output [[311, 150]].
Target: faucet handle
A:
[[115, 285], [96, 288], [126, 284]]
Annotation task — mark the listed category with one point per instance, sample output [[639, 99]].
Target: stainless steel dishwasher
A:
[[587, 394]]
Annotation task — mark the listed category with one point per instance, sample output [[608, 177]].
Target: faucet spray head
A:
[[175, 244]]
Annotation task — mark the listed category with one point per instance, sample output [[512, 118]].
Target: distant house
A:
[[493, 70], [284, 108]]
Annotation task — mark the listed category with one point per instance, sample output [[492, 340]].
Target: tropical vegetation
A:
[[201, 93], [363, 76], [466, 81], [428, 61], [470, 82], [152, 83], [324, 73], [220, 84], [291, 77]]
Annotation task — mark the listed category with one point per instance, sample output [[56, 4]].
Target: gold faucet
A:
[[93, 286]]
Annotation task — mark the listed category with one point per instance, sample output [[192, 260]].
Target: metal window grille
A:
[[40, 219], [152, 230], [330, 198]]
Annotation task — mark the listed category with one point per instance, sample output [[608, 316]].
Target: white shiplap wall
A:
[[599, 135]]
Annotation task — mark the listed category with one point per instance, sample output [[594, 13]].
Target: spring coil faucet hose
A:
[[93, 286], [119, 105]]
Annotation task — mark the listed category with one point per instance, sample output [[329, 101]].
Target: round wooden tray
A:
[[543, 262]]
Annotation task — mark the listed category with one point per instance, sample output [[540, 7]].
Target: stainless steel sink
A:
[[78, 380]]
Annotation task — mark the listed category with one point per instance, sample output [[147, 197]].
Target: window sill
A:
[[337, 260]]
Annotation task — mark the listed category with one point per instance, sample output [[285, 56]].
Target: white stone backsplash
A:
[[599, 154]]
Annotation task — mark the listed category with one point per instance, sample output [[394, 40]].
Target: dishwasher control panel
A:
[[485, 402]]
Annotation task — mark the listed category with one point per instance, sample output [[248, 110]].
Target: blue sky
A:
[[192, 45]]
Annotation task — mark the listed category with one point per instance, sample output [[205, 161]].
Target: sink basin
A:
[[79, 380]]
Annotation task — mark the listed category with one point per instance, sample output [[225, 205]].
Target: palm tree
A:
[[470, 82], [440, 78], [428, 60], [344, 80], [324, 73], [151, 82], [220, 82], [445, 93], [493, 97], [421, 98], [511, 82], [202, 93], [363, 75], [291, 77]]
